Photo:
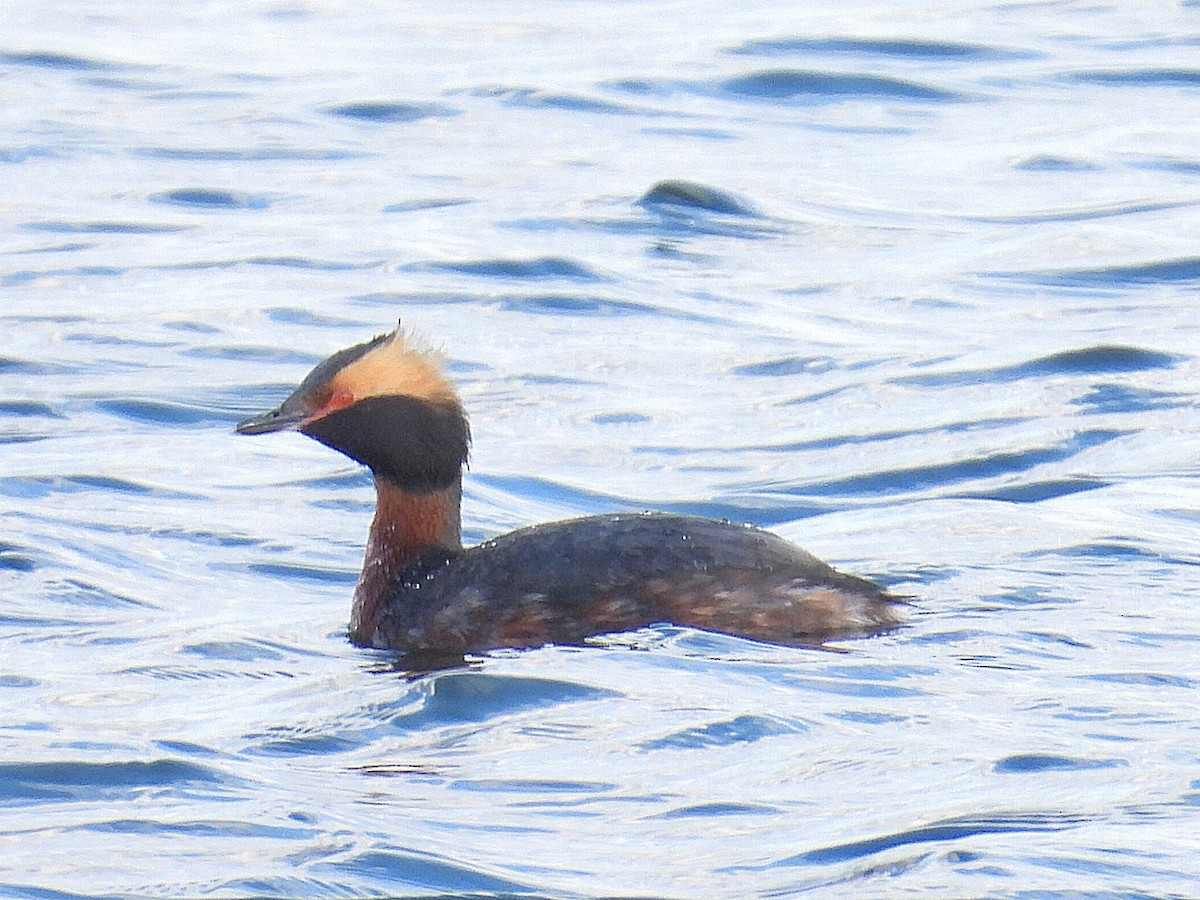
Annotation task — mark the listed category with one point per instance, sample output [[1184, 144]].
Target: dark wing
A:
[[565, 581]]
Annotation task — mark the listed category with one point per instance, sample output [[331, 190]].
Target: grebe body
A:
[[565, 581], [387, 405]]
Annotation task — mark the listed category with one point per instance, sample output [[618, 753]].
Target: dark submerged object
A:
[[387, 405]]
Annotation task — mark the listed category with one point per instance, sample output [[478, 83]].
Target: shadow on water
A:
[[432, 699], [458, 697]]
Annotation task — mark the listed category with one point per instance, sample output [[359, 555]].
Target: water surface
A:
[[915, 289]]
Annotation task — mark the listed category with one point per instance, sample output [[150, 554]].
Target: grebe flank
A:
[[387, 404]]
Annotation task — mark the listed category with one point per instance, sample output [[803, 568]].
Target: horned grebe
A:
[[387, 404]]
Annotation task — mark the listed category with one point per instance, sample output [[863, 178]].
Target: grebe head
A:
[[386, 404]]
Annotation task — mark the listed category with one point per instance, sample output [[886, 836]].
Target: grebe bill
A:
[[387, 404]]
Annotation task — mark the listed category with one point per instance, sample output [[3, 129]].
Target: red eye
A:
[[339, 399], [328, 402]]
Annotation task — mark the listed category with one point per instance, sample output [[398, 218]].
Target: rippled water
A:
[[915, 289]]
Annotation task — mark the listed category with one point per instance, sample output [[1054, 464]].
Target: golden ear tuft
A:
[[402, 365]]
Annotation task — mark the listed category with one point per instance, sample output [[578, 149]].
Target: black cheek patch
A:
[[419, 445]]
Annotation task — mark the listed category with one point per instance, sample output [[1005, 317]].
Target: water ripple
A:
[[719, 810], [75, 592], [932, 51], [790, 365], [1079, 214], [284, 886], [548, 792], [43, 486], [302, 573], [546, 267], [793, 85], [918, 478], [398, 866], [43, 59], [1037, 491], [206, 673], [215, 828], [164, 412], [16, 558], [244, 154], [741, 730], [533, 98], [26, 277], [1044, 162], [1026, 763], [572, 305], [690, 196], [1140, 77], [12, 366], [77, 781], [1105, 359], [1143, 679], [390, 112], [25, 409], [284, 356], [799, 84], [294, 315], [942, 831], [1184, 165], [61, 227], [1120, 398], [211, 198], [1168, 271], [241, 651], [425, 203], [307, 262], [463, 697]]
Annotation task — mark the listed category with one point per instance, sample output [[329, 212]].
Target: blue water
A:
[[918, 289]]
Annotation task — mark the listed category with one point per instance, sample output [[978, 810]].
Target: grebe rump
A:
[[388, 405]]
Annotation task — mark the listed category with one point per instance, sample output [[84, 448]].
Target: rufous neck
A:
[[406, 524]]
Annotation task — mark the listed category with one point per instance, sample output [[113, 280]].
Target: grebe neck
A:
[[406, 524]]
